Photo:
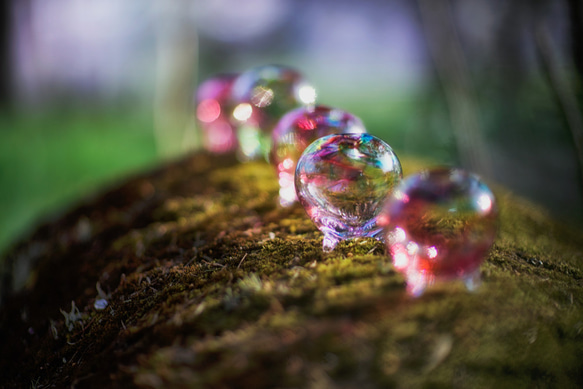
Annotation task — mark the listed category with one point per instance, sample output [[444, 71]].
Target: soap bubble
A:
[[295, 131], [439, 224], [261, 96], [342, 181]]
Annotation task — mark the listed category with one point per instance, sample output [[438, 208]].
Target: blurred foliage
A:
[[50, 160]]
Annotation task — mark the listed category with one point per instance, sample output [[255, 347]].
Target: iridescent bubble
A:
[[342, 181], [213, 113], [439, 226], [295, 131], [261, 97]]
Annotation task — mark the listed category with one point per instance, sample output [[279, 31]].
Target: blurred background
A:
[[92, 91]]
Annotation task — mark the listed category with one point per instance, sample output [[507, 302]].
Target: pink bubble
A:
[[449, 217]]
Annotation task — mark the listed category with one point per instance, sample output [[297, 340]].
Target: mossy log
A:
[[192, 276]]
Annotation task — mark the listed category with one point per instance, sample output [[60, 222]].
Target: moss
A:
[[210, 284]]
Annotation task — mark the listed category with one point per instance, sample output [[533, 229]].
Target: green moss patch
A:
[[209, 283]]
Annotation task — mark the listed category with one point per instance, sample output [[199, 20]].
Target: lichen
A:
[[210, 283]]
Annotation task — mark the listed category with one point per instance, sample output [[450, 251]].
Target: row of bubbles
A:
[[437, 224], [237, 112]]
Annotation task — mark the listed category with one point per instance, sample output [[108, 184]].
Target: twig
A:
[[209, 261], [242, 259]]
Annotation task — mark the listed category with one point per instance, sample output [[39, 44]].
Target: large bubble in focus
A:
[[342, 182], [439, 225], [295, 131], [213, 113], [261, 96]]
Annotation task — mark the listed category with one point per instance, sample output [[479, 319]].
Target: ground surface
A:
[[209, 284]]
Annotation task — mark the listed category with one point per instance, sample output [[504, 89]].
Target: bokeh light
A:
[[213, 113]]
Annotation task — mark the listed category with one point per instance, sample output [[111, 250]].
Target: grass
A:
[[50, 160]]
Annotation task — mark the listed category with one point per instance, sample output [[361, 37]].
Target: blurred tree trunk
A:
[[451, 67], [565, 93], [176, 73]]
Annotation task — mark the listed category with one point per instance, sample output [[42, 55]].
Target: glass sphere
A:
[[439, 224], [342, 181], [261, 96]]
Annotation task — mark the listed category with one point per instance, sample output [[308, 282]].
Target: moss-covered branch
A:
[[209, 284]]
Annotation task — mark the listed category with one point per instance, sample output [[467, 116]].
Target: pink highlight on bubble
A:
[[400, 256], [221, 140], [208, 110], [287, 164], [306, 124], [213, 111]]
